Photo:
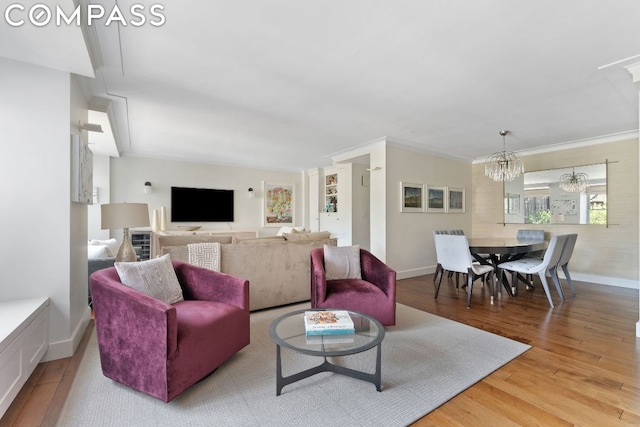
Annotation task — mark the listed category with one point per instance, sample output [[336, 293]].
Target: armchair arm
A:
[[378, 273], [207, 285], [129, 323], [318, 277]]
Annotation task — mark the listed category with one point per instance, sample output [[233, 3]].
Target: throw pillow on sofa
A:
[[205, 255], [342, 262], [155, 277], [286, 229], [98, 252], [112, 244]]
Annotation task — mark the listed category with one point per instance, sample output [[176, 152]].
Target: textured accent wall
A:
[[602, 255]]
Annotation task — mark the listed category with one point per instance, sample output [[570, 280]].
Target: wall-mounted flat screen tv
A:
[[201, 205]]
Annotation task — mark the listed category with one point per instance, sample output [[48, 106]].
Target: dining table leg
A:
[[495, 261]]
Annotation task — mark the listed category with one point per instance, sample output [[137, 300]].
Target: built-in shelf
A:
[[142, 239], [331, 193]]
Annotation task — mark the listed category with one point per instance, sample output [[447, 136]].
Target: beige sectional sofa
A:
[[277, 268]]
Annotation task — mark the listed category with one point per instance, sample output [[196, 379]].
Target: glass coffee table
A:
[[288, 331]]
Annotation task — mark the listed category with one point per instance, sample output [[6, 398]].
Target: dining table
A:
[[495, 251]]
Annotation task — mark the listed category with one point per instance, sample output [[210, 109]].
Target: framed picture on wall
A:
[[455, 200], [436, 198], [279, 204], [411, 197]]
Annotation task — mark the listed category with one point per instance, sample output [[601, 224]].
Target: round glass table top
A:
[[288, 331]]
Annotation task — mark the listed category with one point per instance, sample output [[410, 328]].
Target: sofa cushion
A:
[[342, 262], [155, 277], [98, 252], [317, 235], [179, 240], [258, 239]]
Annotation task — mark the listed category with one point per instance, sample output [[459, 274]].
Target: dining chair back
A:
[[438, 265], [453, 255], [527, 234], [539, 266], [531, 234], [563, 262]]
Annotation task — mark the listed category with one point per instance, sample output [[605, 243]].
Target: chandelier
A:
[[574, 182], [504, 165]]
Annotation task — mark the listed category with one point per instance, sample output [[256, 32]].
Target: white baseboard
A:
[[406, 274], [580, 277], [603, 280], [66, 348]]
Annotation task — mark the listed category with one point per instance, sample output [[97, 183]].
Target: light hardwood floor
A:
[[583, 367]]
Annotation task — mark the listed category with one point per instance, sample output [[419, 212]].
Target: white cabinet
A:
[[24, 339]]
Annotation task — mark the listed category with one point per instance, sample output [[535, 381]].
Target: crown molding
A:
[[634, 70], [388, 141], [580, 143]]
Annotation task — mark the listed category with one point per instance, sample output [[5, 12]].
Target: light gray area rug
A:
[[426, 360]]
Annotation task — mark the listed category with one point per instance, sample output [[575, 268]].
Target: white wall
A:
[[128, 175], [101, 181], [410, 249], [360, 205], [41, 228], [378, 201]]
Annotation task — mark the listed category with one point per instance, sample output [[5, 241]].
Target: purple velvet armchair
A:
[[161, 349], [374, 295]]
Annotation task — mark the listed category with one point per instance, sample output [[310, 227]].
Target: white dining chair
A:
[[531, 234], [439, 265], [453, 254], [565, 257], [538, 266]]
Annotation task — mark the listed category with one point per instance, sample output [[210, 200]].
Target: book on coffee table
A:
[[330, 338], [324, 322]]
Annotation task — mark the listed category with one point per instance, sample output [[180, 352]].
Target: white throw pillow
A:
[[342, 262], [112, 244], [155, 277], [98, 252]]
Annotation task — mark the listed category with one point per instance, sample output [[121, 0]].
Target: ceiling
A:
[[289, 84]]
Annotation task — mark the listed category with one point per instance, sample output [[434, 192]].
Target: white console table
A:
[[24, 339]]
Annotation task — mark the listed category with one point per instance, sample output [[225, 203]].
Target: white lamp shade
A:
[[124, 215]]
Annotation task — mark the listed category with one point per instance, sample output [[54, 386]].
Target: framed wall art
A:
[[455, 200], [436, 198], [411, 197], [279, 204]]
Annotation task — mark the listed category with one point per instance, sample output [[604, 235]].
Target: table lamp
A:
[[125, 215]]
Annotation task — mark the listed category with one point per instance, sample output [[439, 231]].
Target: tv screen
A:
[[201, 205]]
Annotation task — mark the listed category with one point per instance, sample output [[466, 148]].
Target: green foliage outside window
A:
[[542, 216], [598, 216]]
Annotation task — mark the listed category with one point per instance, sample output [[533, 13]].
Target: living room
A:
[[44, 101]]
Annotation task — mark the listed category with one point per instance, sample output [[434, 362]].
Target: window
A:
[[536, 209]]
